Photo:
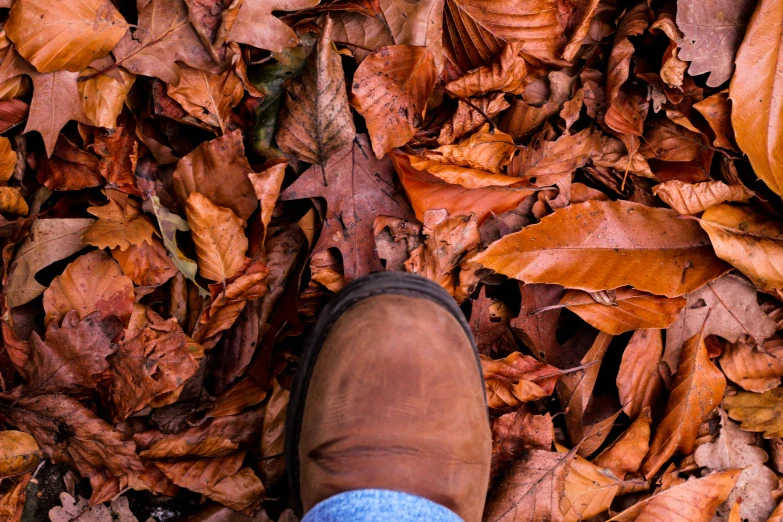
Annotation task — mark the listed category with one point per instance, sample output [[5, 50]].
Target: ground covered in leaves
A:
[[184, 184]]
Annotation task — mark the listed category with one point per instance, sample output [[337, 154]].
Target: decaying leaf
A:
[[760, 412], [516, 379], [694, 198], [19, 453]]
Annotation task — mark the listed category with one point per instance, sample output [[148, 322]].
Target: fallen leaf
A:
[[119, 226], [506, 74], [70, 508], [67, 35], [19, 453], [12, 202], [390, 90], [629, 310], [469, 117], [734, 449], [698, 388], [68, 168], [515, 433], [626, 453], [753, 92], [516, 379], [7, 159], [598, 245], [638, 381], [170, 224], [163, 37], [357, 187], [104, 95], [754, 368], [206, 96], [716, 109], [712, 33], [550, 162], [316, 121], [760, 412], [588, 490], [118, 149], [273, 434], [255, 25], [50, 240], [471, 178], [445, 244], [219, 170], [537, 329], [267, 186], [748, 239], [532, 489], [694, 198], [694, 500], [484, 150], [93, 282], [148, 365], [726, 307], [222, 479], [475, 30], [220, 239], [147, 264]]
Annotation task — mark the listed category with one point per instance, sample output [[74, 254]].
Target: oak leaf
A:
[[754, 92], [712, 32], [222, 479], [72, 357], [600, 245], [219, 237], [694, 198], [219, 170], [516, 379], [255, 25], [759, 412], [629, 310], [698, 388], [49, 240], [638, 381], [316, 121], [733, 449], [726, 307], [357, 187], [748, 239], [66, 35], [694, 500], [390, 90], [119, 226], [93, 282]]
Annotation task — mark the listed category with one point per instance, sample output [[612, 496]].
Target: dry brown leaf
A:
[[267, 186], [19, 453], [93, 282], [66, 35], [761, 412], [12, 202], [588, 491], [118, 149], [638, 381], [694, 198], [517, 432], [119, 225], [468, 118], [694, 500], [727, 307], [444, 246], [506, 74], [7, 159], [748, 239], [532, 489], [600, 245], [218, 169], [104, 95], [316, 121], [754, 92], [673, 68], [716, 109], [257, 26], [484, 150], [390, 90], [626, 453], [516, 379], [755, 368], [147, 264], [206, 96], [72, 358], [273, 434], [163, 37], [220, 239], [551, 161], [69, 167], [629, 310], [470, 178], [698, 388], [222, 479]]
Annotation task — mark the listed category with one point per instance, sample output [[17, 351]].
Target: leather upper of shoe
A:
[[396, 401]]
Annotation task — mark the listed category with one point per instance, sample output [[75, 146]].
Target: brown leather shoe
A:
[[389, 395]]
